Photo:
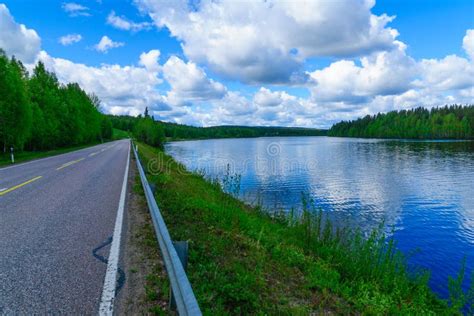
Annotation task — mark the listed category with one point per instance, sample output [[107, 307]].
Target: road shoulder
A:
[[146, 289]]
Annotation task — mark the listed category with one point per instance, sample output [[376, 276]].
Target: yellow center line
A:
[[69, 163], [19, 186]]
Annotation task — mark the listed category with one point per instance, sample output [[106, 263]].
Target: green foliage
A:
[[119, 134], [147, 131], [246, 261], [38, 113], [179, 131], [453, 122], [458, 299], [15, 110]]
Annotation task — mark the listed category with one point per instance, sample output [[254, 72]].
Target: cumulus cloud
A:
[[106, 43], [237, 109], [383, 73], [150, 60], [451, 72], [75, 9], [468, 43], [390, 80], [384, 78], [268, 41], [16, 39], [347, 89], [123, 23], [189, 82], [123, 90], [70, 39], [265, 97]]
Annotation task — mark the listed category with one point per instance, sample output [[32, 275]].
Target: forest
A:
[[178, 131], [38, 113], [448, 122]]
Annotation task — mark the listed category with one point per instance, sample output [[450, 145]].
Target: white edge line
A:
[[108, 291]]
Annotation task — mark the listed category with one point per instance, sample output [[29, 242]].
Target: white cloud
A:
[[189, 83], [234, 105], [70, 39], [236, 109], [74, 9], [383, 73], [380, 80], [106, 43], [468, 43], [16, 39], [123, 90], [122, 23], [347, 89], [150, 60], [451, 72], [265, 97], [387, 81], [268, 41]]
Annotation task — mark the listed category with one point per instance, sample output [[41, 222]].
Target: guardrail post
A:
[[182, 251], [153, 188]]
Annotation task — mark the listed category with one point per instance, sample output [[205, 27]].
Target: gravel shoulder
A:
[[146, 289]]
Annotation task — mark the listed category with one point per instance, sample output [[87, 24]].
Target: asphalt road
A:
[[53, 213]]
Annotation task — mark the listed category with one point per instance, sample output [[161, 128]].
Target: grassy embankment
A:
[[24, 156], [243, 261]]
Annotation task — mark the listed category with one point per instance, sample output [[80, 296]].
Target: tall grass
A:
[[372, 258]]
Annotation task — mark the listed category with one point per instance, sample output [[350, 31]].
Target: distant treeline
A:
[[179, 131], [449, 122], [38, 113]]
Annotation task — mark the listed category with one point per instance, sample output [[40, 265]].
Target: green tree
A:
[[448, 122], [15, 111]]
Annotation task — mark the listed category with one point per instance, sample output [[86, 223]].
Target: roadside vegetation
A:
[[246, 260], [24, 155], [37, 113], [119, 134], [453, 122]]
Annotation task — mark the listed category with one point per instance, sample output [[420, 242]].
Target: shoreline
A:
[[197, 210]]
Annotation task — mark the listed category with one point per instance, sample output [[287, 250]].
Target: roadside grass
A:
[[24, 156], [119, 134], [243, 260]]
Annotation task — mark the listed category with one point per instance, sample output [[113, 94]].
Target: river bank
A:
[[243, 260]]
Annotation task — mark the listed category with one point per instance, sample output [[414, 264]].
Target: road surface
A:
[[53, 213]]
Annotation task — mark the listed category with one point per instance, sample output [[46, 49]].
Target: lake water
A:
[[424, 190]]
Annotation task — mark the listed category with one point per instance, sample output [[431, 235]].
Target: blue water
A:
[[424, 190]]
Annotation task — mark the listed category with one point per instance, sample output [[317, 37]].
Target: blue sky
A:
[[299, 64], [431, 28]]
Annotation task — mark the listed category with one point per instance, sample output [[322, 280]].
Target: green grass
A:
[[25, 156], [119, 134], [244, 261]]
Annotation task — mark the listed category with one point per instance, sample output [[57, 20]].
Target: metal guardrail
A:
[[183, 293]]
